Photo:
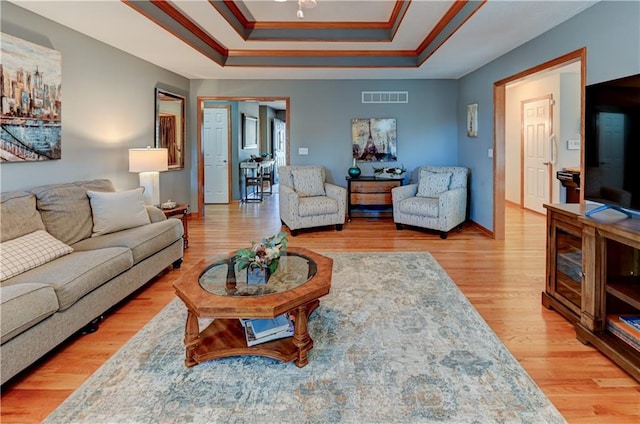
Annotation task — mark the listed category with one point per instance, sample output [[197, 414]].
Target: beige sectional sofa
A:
[[43, 306]]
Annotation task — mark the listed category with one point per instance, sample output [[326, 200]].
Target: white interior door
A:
[[215, 136], [279, 143], [537, 154]]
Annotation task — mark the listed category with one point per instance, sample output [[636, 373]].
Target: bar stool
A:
[[267, 177], [253, 178]]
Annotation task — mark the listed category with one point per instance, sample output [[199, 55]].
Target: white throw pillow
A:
[[431, 184], [117, 211], [307, 182], [29, 251]]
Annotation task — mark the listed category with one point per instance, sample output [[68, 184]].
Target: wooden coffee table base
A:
[[225, 337]]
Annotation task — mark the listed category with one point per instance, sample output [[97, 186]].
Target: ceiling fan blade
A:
[[307, 4]]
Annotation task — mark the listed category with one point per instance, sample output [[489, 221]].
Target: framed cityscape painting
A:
[[31, 103], [374, 139]]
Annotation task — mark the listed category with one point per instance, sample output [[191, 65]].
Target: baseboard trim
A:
[[482, 229]]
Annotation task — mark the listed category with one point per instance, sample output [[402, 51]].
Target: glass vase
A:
[[354, 171], [258, 275]]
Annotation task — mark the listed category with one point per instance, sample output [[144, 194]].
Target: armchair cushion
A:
[[317, 205], [431, 184], [420, 206], [308, 182]]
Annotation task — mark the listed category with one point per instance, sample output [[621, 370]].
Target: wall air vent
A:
[[385, 97]]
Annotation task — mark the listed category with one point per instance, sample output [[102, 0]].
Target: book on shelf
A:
[[632, 320], [623, 331], [252, 340], [263, 330], [266, 327]]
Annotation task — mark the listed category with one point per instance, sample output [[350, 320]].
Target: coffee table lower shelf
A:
[[226, 337]]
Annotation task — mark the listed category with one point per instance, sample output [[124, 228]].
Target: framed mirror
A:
[[249, 132], [170, 125]]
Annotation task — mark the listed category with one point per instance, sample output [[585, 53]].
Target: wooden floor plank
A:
[[502, 279]]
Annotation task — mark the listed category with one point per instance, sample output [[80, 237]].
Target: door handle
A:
[[546, 163]]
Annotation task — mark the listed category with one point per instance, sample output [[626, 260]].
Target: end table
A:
[[181, 211]]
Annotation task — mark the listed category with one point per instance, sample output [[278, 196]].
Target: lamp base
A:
[[151, 183]]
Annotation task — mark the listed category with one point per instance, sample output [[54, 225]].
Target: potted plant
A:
[[262, 258]]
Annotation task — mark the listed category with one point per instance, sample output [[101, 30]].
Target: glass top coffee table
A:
[[217, 289]]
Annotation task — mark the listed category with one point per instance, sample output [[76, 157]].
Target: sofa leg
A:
[[443, 235], [398, 226], [338, 227], [294, 233], [93, 326], [177, 264]]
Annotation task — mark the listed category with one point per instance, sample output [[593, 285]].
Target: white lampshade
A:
[[144, 160], [148, 162]]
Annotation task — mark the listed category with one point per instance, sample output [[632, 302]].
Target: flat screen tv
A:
[[612, 144]]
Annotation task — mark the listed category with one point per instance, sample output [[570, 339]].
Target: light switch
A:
[[303, 150], [573, 144], [490, 153]]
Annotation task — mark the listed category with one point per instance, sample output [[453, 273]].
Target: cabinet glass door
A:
[[568, 276]]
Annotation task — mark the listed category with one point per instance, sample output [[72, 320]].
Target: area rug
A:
[[395, 342]]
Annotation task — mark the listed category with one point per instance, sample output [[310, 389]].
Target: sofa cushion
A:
[[19, 215], [29, 251], [319, 205], [23, 306], [307, 181], [431, 184], [420, 206], [76, 274], [65, 208], [113, 211], [143, 241]]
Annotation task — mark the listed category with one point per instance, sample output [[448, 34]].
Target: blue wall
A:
[[321, 113], [609, 30]]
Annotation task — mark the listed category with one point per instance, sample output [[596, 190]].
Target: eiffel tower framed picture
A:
[[374, 139]]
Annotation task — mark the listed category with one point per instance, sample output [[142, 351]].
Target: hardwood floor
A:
[[502, 279]]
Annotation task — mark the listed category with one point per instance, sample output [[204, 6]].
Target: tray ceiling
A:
[[343, 39]]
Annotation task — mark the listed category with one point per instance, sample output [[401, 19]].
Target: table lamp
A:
[[149, 162]]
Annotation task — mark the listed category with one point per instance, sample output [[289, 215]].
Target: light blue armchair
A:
[[437, 202], [307, 201]]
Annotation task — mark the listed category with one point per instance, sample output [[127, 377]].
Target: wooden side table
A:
[[370, 192], [181, 211]]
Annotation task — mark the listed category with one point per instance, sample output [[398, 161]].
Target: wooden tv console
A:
[[593, 277]]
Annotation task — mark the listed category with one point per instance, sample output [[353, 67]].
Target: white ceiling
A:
[[492, 29]]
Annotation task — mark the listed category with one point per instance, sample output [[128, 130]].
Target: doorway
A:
[[500, 125], [236, 152]]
